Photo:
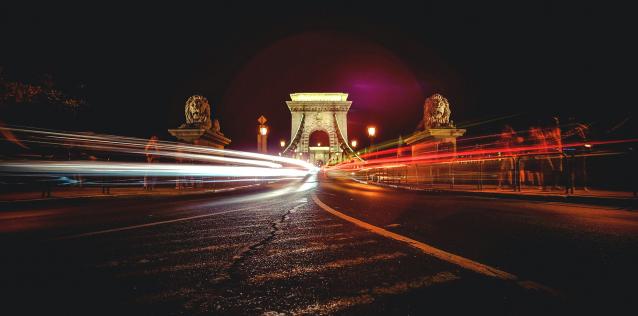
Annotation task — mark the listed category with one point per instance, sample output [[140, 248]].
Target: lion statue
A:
[[197, 112], [437, 112], [216, 127]]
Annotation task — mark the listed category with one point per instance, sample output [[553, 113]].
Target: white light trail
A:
[[93, 168], [136, 146], [189, 160]]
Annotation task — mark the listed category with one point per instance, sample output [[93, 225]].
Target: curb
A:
[[176, 194], [628, 203]]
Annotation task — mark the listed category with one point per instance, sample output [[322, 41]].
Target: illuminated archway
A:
[[319, 138], [313, 112]]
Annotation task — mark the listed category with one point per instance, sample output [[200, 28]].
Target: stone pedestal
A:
[[201, 136], [433, 141]]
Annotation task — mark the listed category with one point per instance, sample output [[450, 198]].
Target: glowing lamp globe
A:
[[372, 131]]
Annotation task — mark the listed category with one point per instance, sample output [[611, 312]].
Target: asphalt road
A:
[[277, 251]]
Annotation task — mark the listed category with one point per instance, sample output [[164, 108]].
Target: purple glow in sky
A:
[[383, 89]]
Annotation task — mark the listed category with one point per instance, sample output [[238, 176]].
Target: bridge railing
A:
[[612, 172]]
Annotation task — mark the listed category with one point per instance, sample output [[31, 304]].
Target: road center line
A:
[[106, 231], [435, 252]]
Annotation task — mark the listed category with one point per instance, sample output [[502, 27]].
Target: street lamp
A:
[[372, 131], [282, 143], [354, 143], [262, 135]]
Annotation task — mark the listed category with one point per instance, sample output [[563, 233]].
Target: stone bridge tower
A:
[[319, 112]]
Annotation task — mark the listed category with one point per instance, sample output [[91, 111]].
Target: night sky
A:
[[138, 65]]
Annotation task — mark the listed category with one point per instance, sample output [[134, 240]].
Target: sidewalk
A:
[[71, 193], [592, 196]]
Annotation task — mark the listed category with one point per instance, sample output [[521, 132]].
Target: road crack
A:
[[232, 273], [228, 280]]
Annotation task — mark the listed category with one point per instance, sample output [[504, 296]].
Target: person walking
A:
[[506, 170], [577, 135], [539, 163], [555, 146], [150, 149], [106, 186], [180, 181]]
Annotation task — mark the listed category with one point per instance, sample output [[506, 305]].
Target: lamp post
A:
[[262, 135], [372, 132], [282, 144], [353, 144]]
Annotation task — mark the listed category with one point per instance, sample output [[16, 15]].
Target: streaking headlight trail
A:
[[90, 168], [43, 153]]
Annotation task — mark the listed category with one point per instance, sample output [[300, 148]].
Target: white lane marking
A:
[[174, 268], [318, 236], [437, 253], [159, 256], [106, 231], [319, 247], [314, 221], [369, 296], [319, 227], [333, 265]]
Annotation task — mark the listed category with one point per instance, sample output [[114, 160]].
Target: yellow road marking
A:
[[435, 252]]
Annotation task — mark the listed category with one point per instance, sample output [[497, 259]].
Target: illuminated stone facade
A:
[[438, 133], [199, 129], [437, 112], [197, 112], [325, 112]]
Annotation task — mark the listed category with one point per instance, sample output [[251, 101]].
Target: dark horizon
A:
[[139, 67], [522, 201]]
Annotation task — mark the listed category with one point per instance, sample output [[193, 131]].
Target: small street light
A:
[[282, 143], [354, 143], [262, 135], [372, 131]]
